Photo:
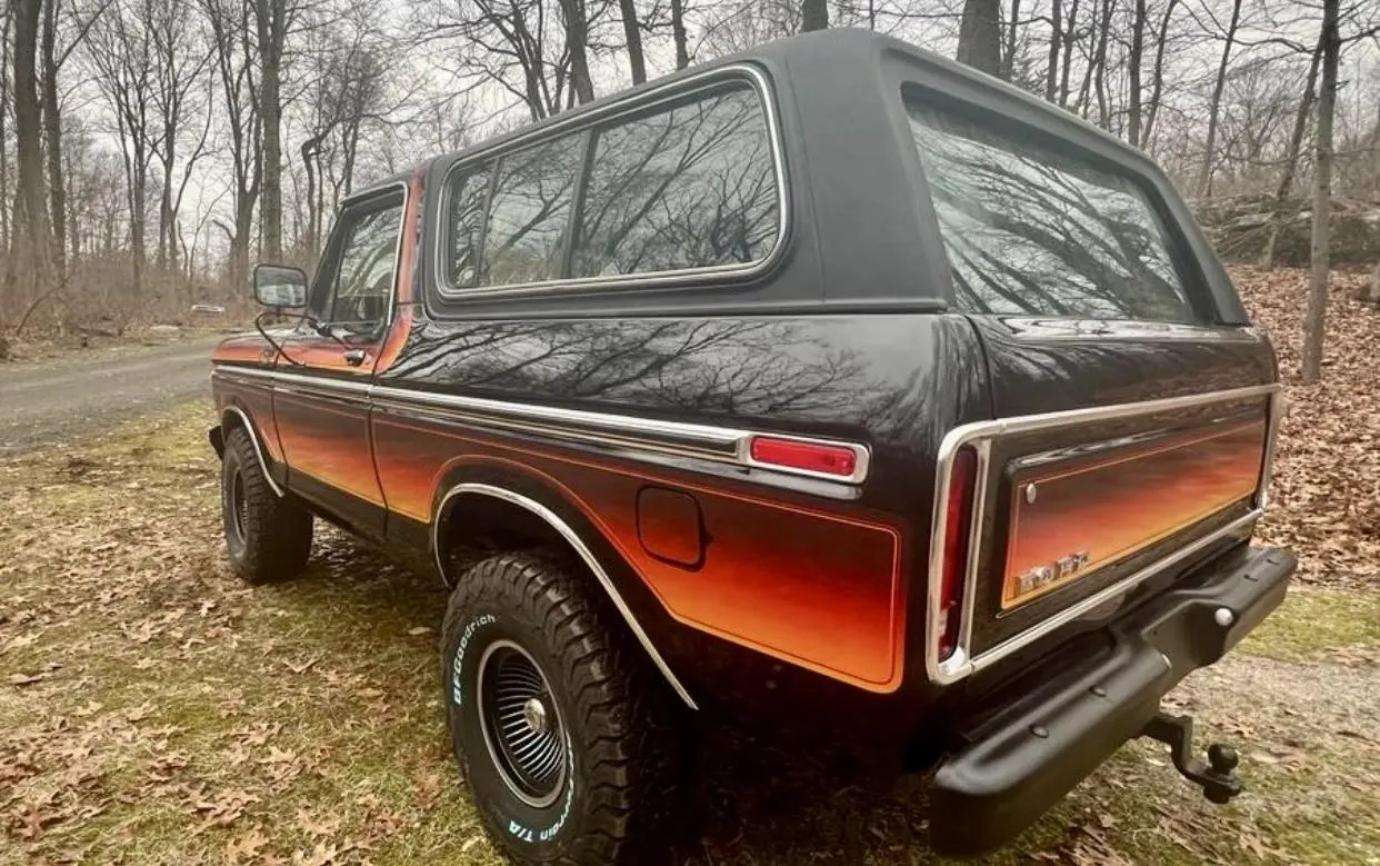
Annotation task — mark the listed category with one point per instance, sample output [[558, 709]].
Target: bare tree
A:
[[273, 21], [1157, 76], [178, 80], [678, 34], [632, 36], [577, 45], [1291, 161], [1056, 25], [979, 36], [230, 29], [1133, 63], [31, 211], [1204, 186], [1316, 323], [123, 59]]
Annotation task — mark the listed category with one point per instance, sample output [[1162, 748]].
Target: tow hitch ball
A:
[[1217, 777]]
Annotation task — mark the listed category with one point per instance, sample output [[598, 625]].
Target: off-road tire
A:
[[617, 798], [268, 537]]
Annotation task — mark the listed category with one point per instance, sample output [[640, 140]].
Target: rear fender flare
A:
[[527, 491]]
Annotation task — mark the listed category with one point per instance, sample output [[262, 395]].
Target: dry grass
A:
[[156, 711]]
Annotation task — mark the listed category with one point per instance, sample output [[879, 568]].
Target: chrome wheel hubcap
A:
[[521, 724], [239, 505]]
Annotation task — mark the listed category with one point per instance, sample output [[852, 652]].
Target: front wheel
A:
[[568, 742], [267, 536]]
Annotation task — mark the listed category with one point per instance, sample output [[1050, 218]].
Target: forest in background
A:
[[151, 150]]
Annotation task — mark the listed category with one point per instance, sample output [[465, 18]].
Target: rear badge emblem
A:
[[1061, 569]]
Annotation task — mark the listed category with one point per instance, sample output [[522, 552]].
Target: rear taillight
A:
[[958, 520], [818, 457]]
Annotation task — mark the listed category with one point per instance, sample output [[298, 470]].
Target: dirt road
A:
[[52, 402]]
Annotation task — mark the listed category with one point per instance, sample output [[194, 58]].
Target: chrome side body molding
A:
[[719, 444]]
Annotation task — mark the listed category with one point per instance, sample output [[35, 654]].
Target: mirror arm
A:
[[259, 326]]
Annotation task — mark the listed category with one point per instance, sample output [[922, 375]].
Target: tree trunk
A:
[[1056, 24], [8, 287], [1157, 83], [814, 15], [979, 36], [1316, 323], [1291, 162], [1133, 60], [30, 208], [52, 131], [1070, 32], [271, 24], [577, 43], [1215, 107], [1008, 60], [633, 36], [678, 34]]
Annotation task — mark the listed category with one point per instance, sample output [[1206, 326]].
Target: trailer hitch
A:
[[1217, 777]]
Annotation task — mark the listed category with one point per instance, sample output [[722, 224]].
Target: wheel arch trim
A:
[[586, 555], [253, 440]]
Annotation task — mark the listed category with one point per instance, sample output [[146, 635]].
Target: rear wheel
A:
[[568, 740], [267, 536]]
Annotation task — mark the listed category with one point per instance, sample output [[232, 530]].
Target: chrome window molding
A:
[[585, 554], [721, 444], [669, 92], [258, 451], [980, 435]]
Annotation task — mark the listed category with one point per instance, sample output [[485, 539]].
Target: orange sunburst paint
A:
[[1115, 505], [816, 588]]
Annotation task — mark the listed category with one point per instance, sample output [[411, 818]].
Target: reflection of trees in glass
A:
[[364, 279], [527, 219], [468, 193], [743, 368], [686, 187], [1033, 231]]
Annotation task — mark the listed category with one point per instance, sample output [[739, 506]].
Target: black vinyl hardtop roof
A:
[[861, 234], [840, 47]]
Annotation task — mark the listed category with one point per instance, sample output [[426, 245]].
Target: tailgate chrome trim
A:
[[979, 434]]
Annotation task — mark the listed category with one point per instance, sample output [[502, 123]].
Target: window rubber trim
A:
[[588, 122]]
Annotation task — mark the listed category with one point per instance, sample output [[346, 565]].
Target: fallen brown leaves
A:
[[156, 710], [1326, 494]]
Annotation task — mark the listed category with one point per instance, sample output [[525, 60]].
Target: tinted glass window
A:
[[357, 280], [1038, 230], [685, 187], [529, 213], [469, 192]]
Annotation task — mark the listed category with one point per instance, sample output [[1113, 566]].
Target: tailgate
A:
[[1113, 464]]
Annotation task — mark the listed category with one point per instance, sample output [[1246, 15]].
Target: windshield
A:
[[1033, 230]]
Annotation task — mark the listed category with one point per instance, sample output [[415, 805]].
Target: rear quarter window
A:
[[686, 187], [1034, 229]]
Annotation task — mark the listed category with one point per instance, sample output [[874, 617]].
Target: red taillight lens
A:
[[957, 526], [813, 456]]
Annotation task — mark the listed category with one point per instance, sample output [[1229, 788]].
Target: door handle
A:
[[355, 357]]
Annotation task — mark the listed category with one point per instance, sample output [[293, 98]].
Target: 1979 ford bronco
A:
[[833, 381]]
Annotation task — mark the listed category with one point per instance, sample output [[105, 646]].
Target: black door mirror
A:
[[280, 286]]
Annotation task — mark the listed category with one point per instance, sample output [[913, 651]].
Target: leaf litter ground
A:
[[156, 711]]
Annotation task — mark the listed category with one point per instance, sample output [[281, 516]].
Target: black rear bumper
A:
[[1041, 744]]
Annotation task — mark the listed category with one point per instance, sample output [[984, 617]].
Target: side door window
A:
[[354, 288]]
